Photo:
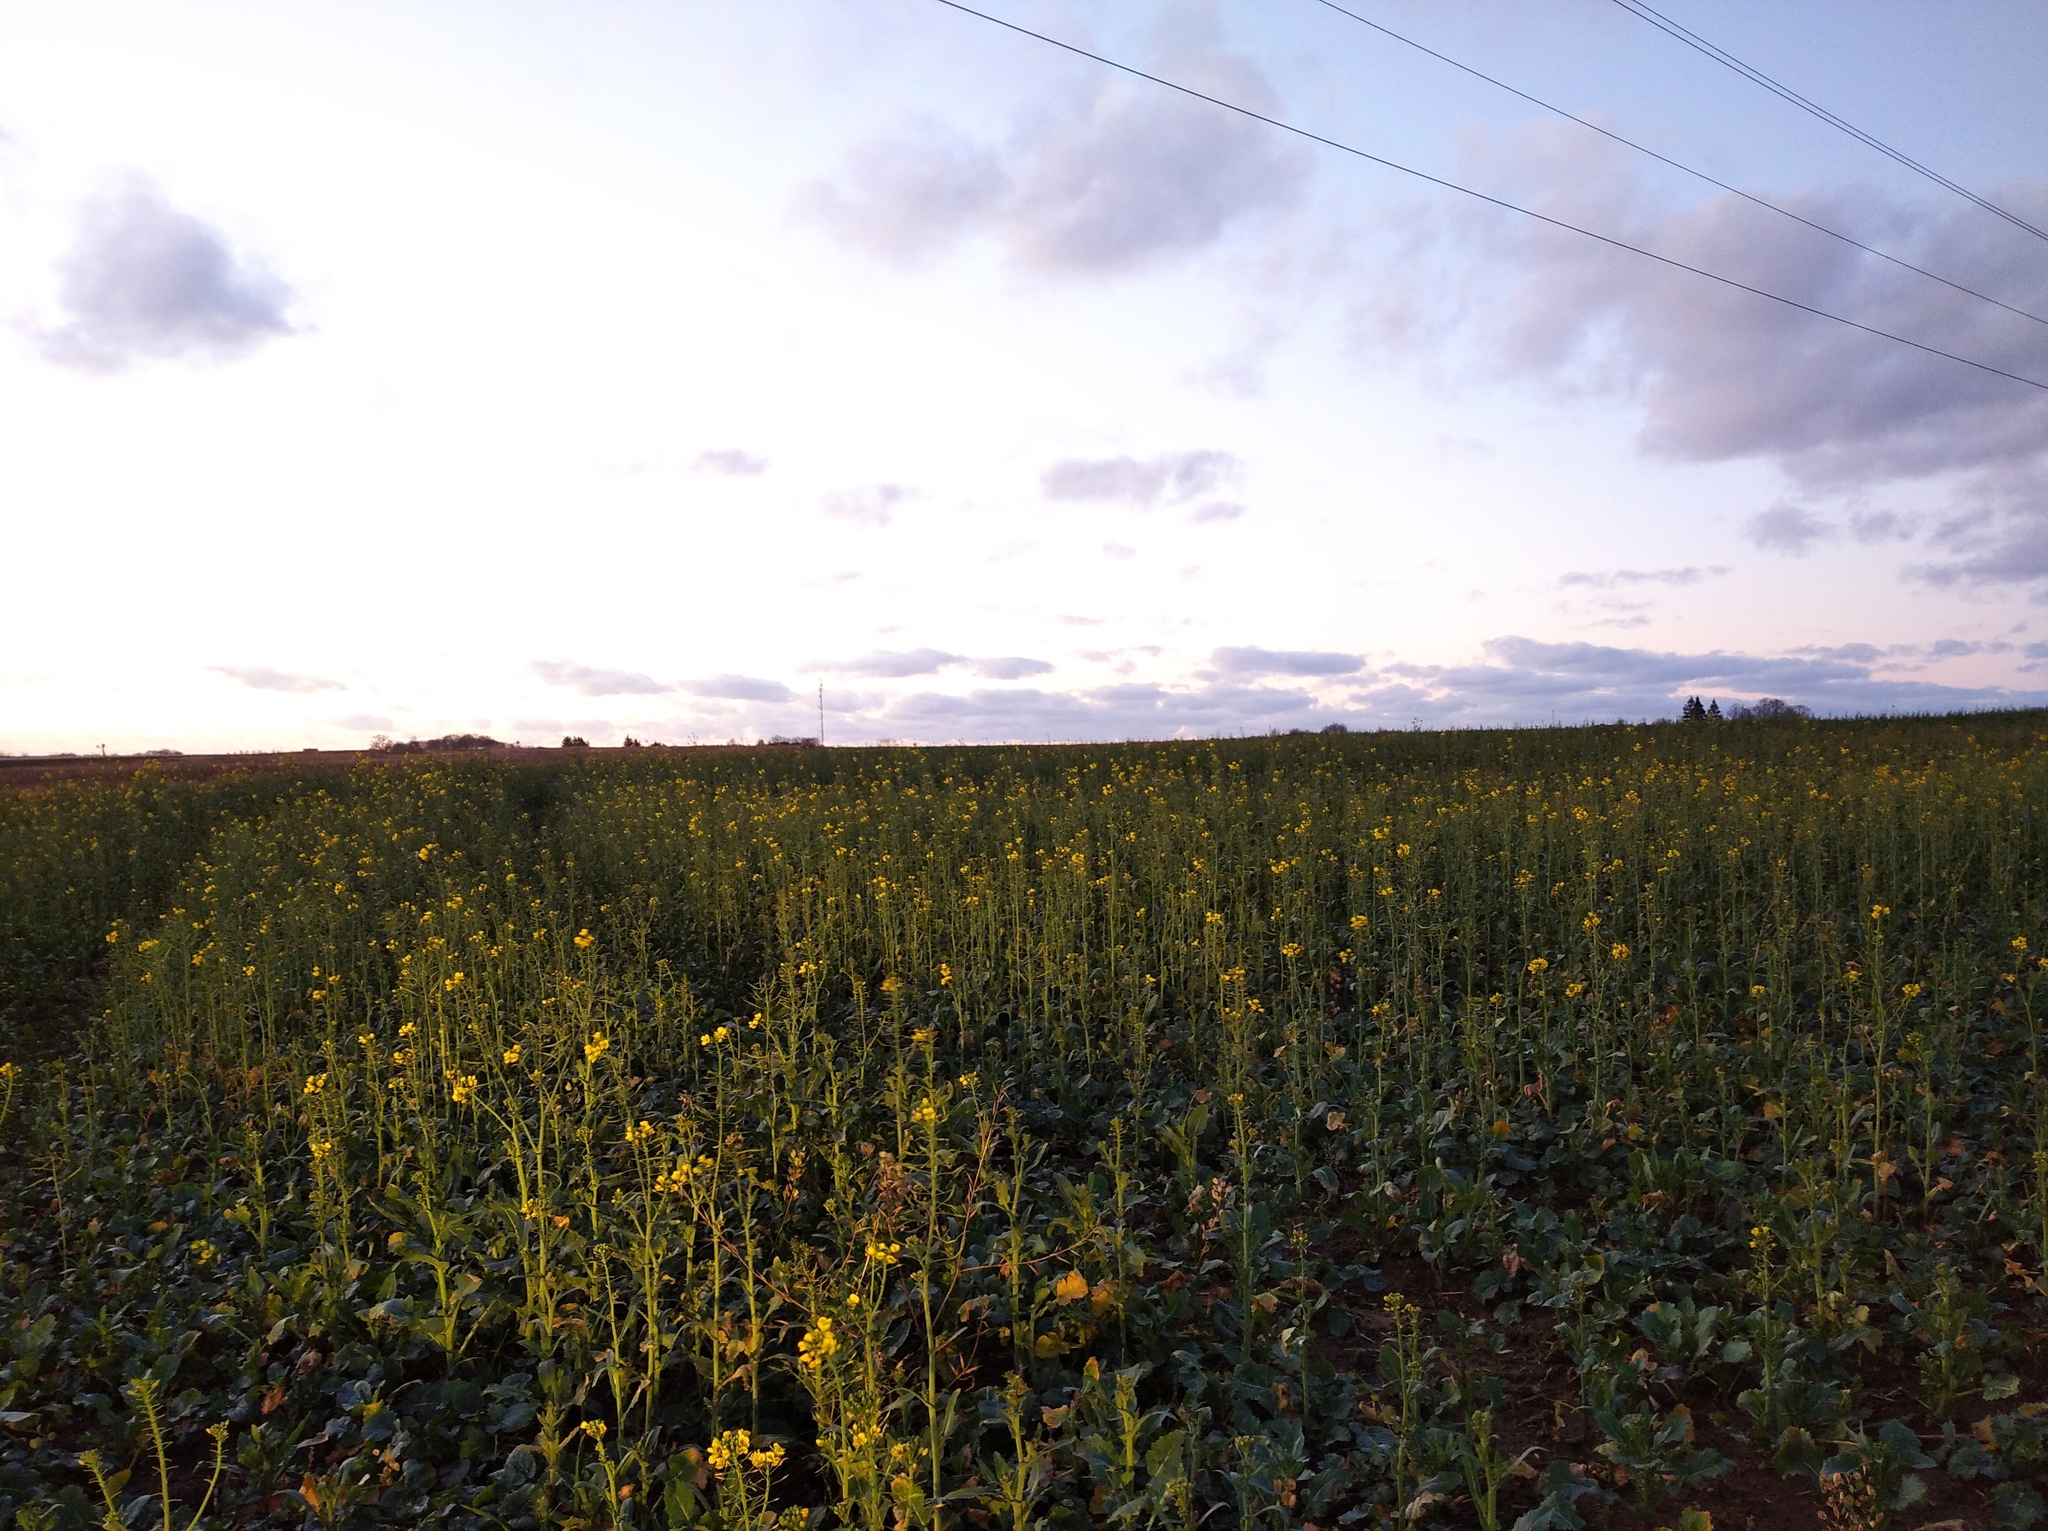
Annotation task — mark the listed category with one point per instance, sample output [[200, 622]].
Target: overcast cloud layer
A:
[[646, 372]]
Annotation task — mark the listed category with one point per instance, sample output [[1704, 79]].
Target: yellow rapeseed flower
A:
[[727, 1450]]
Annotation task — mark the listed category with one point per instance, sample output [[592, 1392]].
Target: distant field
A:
[[1547, 1128]]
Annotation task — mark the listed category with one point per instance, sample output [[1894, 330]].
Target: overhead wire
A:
[[1722, 56], [1480, 196], [1665, 159]]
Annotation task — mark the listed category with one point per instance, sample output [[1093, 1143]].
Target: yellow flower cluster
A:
[[678, 1180], [818, 1346], [734, 1447]]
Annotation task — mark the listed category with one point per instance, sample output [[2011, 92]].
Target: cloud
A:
[[1254, 661], [1513, 681], [1173, 477], [1868, 526], [263, 679], [363, 723], [897, 664], [731, 462], [913, 194], [144, 280], [739, 688], [1609, 579], [1120, 177], [1521, 680], [1122, 711], [1789, 529], [590, 682], [1218, 510], [894, 663], [1721, 375], [1011, 667], [873, 506], [2012, 552]]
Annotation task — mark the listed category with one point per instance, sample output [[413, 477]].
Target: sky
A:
[[634, 369]]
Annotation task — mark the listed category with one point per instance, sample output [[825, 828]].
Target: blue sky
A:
[[634, 368]]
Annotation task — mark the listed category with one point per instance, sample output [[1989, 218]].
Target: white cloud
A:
[[261, 678], [145, 280], [730, 462], [594, 682], [1120, 177], [873, 506], [1144, 483], [739, 688]]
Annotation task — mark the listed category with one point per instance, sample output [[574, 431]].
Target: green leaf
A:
[[2000, 1385], [1166, 1459], [2016, 1505], [1797, 1454]]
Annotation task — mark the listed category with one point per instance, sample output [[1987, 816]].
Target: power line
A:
[[1513, 207], [1693, 40], [1665, 159]]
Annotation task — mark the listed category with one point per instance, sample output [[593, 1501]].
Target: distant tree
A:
[[1714, 710], [575, 742], [1693, 711], [631, 743], [1767, 707], [385, 746]]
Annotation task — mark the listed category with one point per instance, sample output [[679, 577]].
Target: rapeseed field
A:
[[1619, 1126]]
